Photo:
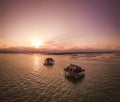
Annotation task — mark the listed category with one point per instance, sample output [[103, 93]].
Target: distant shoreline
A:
[[60, 53]]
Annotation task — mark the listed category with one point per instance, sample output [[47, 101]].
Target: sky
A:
[[60, 25]]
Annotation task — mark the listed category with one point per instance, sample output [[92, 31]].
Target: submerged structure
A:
[[49, 61], [74, 71]]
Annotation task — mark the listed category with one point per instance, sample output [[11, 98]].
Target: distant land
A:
[[56, 52]]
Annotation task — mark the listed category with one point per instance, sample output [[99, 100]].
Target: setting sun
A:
[[36, 44]]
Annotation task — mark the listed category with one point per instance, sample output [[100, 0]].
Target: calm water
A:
[[24, 78]]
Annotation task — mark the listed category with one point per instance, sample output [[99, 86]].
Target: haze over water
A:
[[24, 78]]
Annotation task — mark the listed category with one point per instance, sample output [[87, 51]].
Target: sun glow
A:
[[36, 43]]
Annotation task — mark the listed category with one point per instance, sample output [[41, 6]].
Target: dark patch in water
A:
[[74, 80]]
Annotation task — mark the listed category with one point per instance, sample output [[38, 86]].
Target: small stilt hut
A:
[[74, 71], [49, 61]]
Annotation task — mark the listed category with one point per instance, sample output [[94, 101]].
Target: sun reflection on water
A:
[[36, 63]]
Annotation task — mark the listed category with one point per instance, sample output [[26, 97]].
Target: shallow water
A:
[[24, 78]]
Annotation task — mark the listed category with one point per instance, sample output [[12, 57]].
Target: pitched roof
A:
[[74, 68], [49, 59]]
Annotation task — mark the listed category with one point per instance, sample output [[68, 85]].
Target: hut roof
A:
[[73, 68], [49, 59]]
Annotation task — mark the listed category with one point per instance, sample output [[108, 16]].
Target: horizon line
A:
[[58, 53]]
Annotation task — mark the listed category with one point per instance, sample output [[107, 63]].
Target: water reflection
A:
[[36, 65], [73, 80]]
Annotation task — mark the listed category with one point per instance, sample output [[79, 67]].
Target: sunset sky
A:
[[60, 25]]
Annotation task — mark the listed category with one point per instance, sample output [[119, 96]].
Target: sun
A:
[[36, 43]]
